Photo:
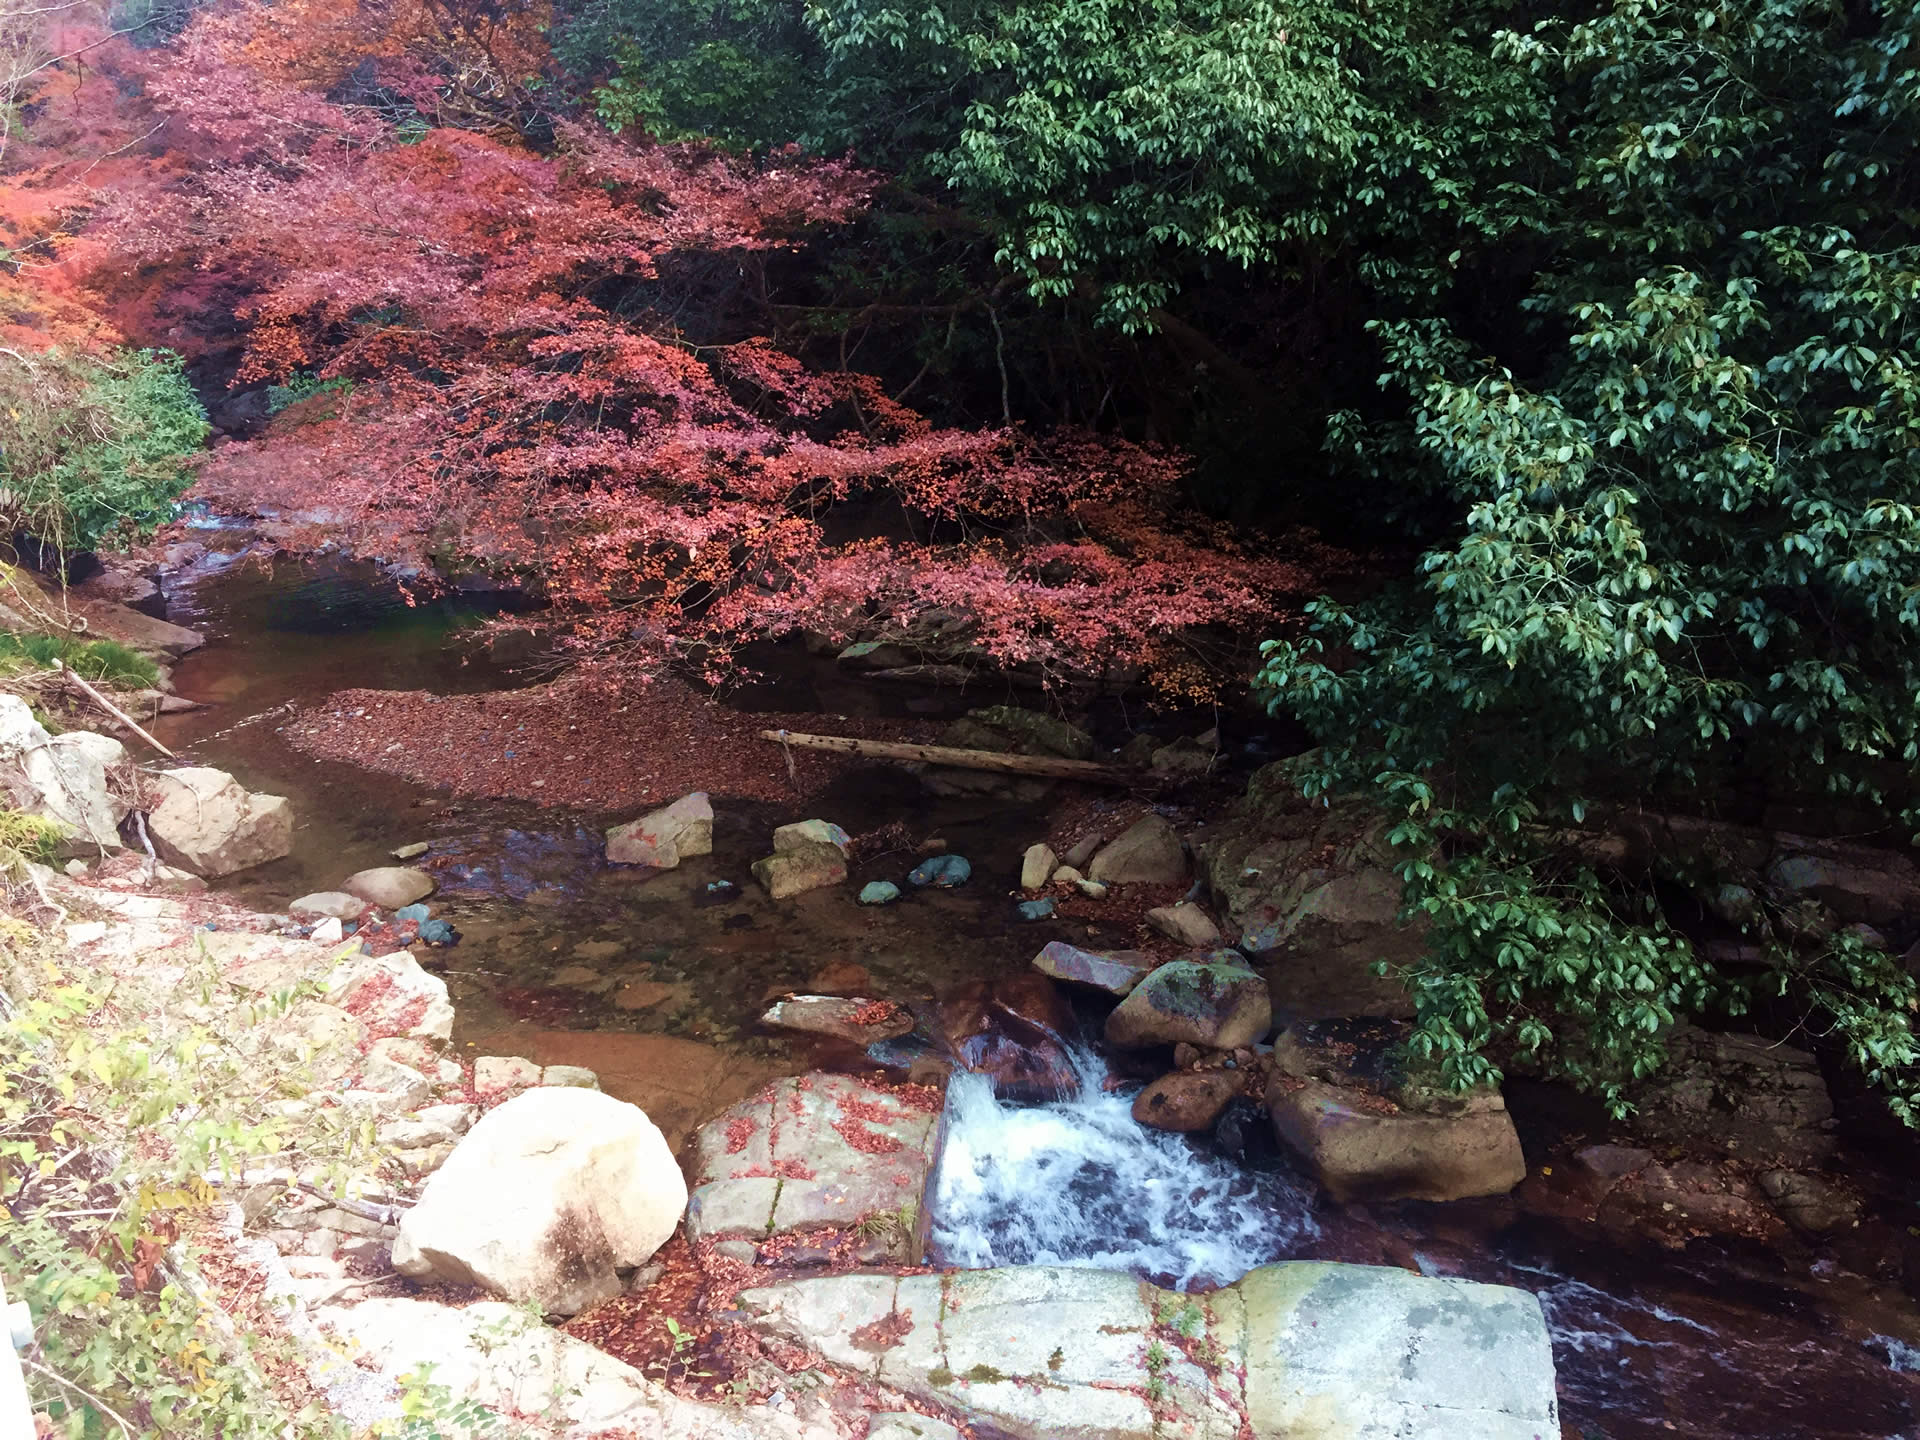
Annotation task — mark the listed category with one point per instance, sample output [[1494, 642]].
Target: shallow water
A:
[[1646, 1345]]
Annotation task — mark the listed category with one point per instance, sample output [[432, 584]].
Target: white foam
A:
[[1080, 1182]]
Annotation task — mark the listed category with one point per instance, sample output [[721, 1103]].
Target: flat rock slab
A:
[[1293, 1350], [818, 1152], [1114, 971]]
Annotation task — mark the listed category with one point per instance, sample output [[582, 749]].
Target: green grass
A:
[[95, 660], [27, 837]]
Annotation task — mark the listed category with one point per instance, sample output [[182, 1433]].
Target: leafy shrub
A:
[[95, 450], [96, 660], [303, 386]]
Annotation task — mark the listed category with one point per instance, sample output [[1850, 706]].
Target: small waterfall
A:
[[1080, 1182]]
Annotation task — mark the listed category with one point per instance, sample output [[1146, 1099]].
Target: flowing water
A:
[[1643, 1347], [1709, 1343]]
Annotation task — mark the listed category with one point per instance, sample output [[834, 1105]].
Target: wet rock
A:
[[582, 977], [545, 1199], [1115, 971], [811, 865], [205, 821], [329, 904], [1362, 1148], [1041, 909], [943, 872], [1809, 1204], [1311, 890], [1291, 1350], [1601, 1167], [1759, 1102], [1187, 1100], [1677, 1201], [855, 1021], [1185, 923], [414, 851], [1216, 1003], [820, 1152], [810, 832], [665, 837], [390, 886], [1014, 1030], [879, 892], [393, 995], [1147, 853]]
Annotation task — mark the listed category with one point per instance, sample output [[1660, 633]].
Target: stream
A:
[[1709, 1341]]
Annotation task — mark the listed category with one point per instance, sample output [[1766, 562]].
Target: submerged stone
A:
[[1037, 909], [942, 871]]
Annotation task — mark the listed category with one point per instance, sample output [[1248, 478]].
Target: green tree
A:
[[1678, 526]]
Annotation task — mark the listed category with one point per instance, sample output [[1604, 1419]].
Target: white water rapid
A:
[[1080, 1182]]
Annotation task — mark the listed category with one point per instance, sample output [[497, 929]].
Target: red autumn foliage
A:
[[552, 381]]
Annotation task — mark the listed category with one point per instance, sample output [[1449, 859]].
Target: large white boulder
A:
[[63, 778], [666, 836], [545, 1200], [205, 821]]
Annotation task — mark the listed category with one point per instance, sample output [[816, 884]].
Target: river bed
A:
[[656, 980]]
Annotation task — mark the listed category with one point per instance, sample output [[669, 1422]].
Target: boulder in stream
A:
[[1116, 972], [810, 832], [809, 865], [665, 837], [545, 1199], [1338, 1099], [62, 778], [1214, 1002], [390, 886], [1147, 853], [205, 821], [1014, 1031]]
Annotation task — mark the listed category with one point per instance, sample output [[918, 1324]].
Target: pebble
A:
[[942, 871], [879, 892], [411, 852]]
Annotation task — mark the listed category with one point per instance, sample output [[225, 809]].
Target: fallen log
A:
[[1050, 766], [112, 709]]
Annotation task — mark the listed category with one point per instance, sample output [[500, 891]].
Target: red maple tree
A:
[[535, 393]]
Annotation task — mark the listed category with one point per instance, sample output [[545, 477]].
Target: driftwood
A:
[[112, 709], [1051, 766]]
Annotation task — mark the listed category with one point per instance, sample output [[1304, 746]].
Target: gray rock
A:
[[1185, 923], [205, 821], [665, 837], [1760, 1102], [811, 865], [1216, 1003], [1115, 971], [1147, 853], [1037, 866], [390, 886], [1808, 1203], [818, 1152], [1292, 1351], [810, 832], [63, 778]]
